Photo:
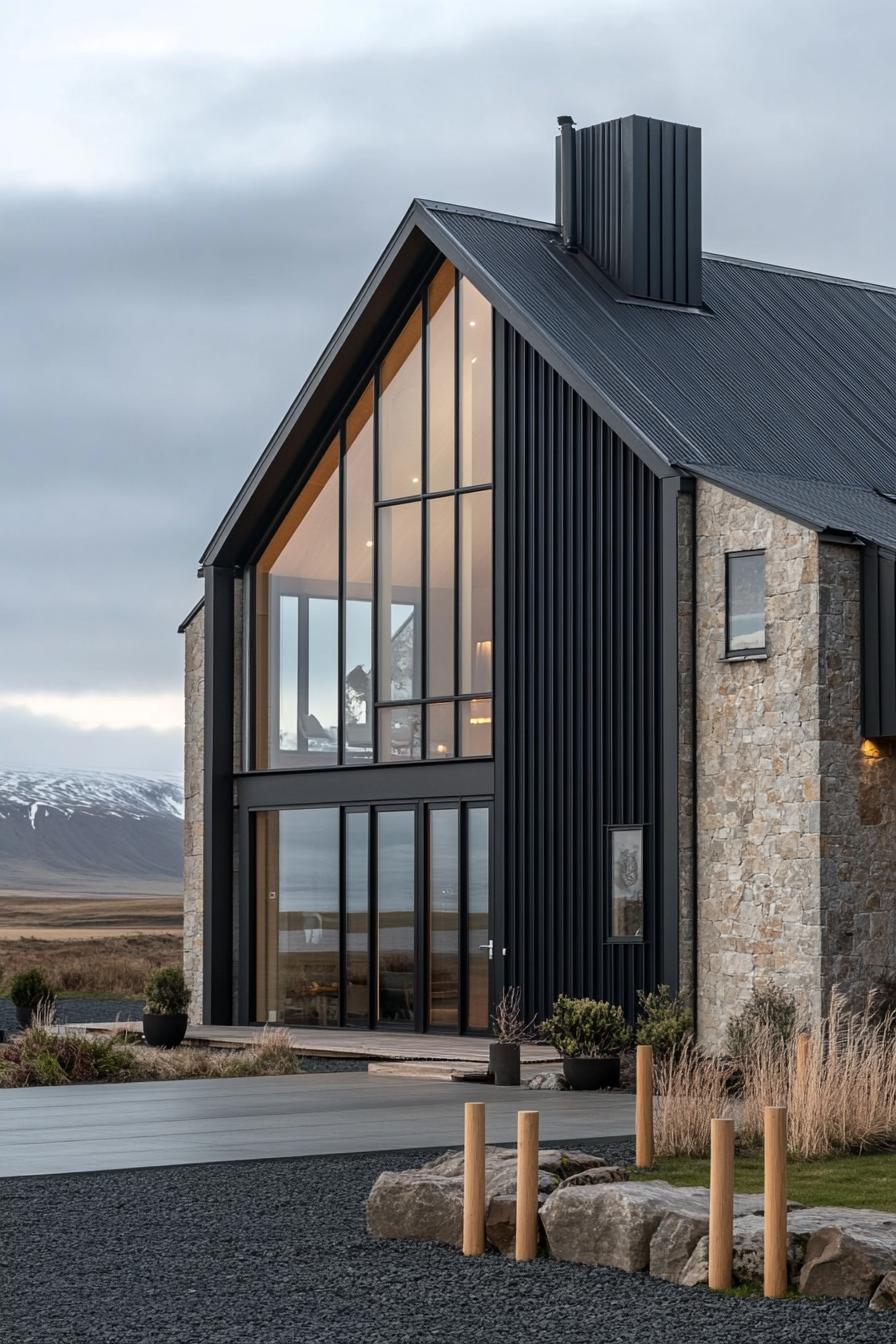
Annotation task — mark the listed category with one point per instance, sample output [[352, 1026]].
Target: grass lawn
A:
[[866, 1181]]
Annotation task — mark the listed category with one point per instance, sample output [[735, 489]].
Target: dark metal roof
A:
[[783, 387], [190, 614]]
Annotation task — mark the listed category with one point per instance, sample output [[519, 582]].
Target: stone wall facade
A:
[[686, 734], [194, 720], [796, 850], [194, 726]]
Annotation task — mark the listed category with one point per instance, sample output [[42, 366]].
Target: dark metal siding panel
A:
[[217, 856], [581, 746]]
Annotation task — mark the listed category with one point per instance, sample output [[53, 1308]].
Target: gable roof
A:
[[783, 388]]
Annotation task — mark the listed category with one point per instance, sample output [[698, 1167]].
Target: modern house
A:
[[552, 639]]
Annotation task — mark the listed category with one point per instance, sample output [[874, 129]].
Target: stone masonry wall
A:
[[237, 765], [757, 769], [796, 816], [194, 692], [858, 798]]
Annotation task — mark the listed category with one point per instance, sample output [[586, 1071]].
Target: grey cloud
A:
[[152, 337]]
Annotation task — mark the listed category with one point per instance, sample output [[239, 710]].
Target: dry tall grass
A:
[[691, 1089], [844, 1101], [119, 965]]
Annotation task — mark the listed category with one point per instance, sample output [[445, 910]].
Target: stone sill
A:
[[744, 658]]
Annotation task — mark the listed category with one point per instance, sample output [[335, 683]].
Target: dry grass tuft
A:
[[42, 1056], [843, 1101]]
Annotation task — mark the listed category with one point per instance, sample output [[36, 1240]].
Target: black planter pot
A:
[[504, 1063], [165, 1030], [587, 1075]]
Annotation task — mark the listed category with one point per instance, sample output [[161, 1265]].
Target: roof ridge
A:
[[795, 271], [522, 220]]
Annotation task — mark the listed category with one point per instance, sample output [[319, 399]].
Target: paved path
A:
[[110, 1126]]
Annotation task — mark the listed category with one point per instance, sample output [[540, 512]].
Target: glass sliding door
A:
[[478, 883], [298, 890], [396, 883], [374, 915], [357, 918], [444, 917]]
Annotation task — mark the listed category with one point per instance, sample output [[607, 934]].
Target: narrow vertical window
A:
[[444, 918], [745, 603], [475, 386], [357, 918], [440, 596], [627, 882], [400, 602], [440, 381], [358, 545], [401, 413], [476, 592]]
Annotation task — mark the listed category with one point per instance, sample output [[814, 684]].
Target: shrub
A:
[[167, 992], [510, 1026], [769, 1014], [691, 1088], [663, 1021], [586, 1028], [29, 989]]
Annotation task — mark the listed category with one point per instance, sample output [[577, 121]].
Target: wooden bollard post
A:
[[527, 1185], [474, 1178], [775, 1216], [644, 1106], [721, 1202]]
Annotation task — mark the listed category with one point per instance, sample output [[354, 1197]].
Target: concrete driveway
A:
[[111, 1126]]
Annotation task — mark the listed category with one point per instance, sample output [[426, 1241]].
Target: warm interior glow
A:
[[871, 749]]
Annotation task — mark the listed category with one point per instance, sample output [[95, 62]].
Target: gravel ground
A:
[[277, 1253], [79, 1010]]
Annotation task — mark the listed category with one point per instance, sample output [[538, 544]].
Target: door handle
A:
[[488, 947]]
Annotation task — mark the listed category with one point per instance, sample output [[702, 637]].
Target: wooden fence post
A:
[[644, 1106], [474, 1178], [721, 1202], [775, 1212], [527, 1185]]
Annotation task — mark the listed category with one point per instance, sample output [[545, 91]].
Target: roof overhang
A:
[[413, 249]]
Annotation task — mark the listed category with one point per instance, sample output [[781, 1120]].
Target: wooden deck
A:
[[391, 1046]]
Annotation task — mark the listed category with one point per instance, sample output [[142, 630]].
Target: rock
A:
[[802, 1224], [549, 1082], [613, 1224], [847, 1262], [594, 1176], [884, 1298], [673, 1242], [418, 1204], [426, 1203]]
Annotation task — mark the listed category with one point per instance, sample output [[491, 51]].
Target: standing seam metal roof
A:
[[784, 389]]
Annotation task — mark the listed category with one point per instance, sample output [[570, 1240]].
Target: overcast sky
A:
[[191, 194]]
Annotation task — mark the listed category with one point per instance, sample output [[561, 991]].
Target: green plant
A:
[[769, 1014], [167, 992], [29, 989], [586, 1028], [663, 1021]]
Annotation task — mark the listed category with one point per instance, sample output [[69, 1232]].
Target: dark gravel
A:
[[79, 1010], [277, 1253]]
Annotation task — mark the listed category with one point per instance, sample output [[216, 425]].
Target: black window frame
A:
[[645, 830], [754, 651]]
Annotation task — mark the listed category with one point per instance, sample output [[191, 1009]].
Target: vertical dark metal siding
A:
[[879, 642], [638, 206], [582, 681]]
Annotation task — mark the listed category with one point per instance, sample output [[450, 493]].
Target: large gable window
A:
[[373, 638]]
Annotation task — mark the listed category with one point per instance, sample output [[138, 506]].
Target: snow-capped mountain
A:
[[89, 822]]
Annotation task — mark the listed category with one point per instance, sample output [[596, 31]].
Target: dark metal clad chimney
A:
[[567, 211], [629, 196]]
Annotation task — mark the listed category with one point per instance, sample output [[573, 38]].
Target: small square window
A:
[[745, 603], [400, 736], [440, 731], [627, 882], [476, 728]]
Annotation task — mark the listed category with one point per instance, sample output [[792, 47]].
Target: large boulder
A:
[[884, 1298], [748, 1246], [426, 1203], [614, 1224], [847, 1261]]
